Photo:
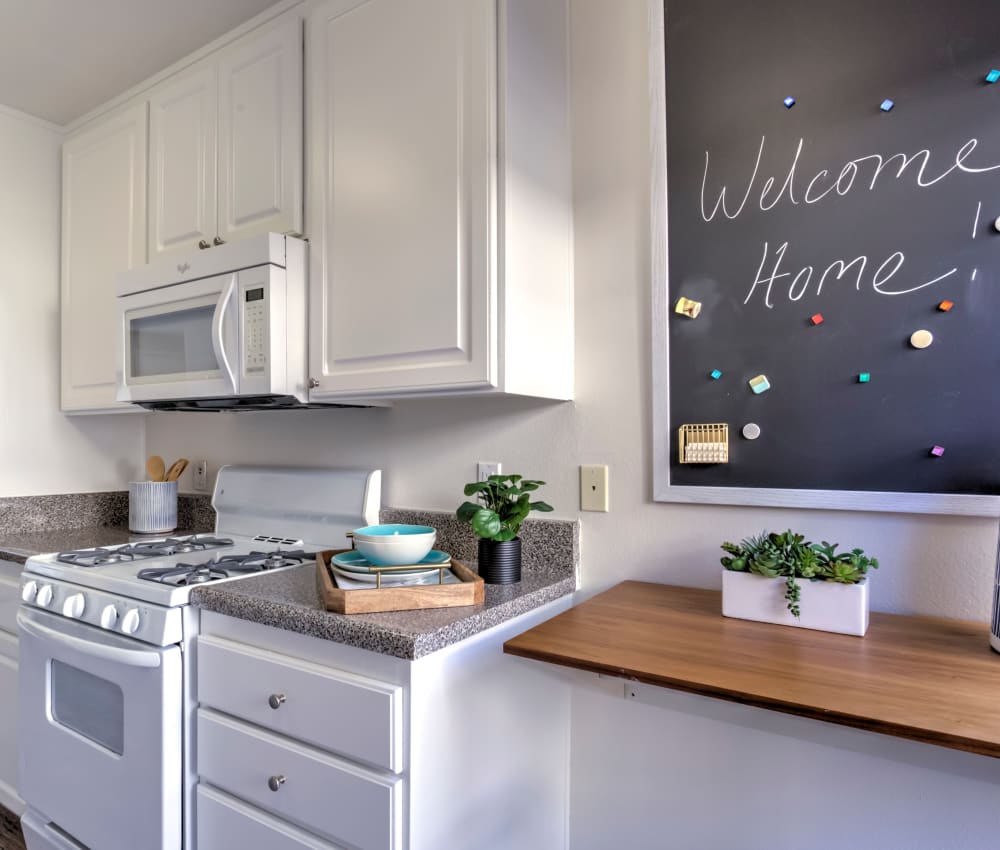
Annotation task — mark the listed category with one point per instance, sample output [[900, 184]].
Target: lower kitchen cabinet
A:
[[10, 598], [308, 743]]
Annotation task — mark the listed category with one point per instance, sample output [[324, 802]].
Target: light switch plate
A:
[[594, 488]]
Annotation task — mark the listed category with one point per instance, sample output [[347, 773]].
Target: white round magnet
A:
[[921, 339], [751, 430]]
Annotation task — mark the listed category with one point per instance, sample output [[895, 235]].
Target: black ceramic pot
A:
[[500, 561]]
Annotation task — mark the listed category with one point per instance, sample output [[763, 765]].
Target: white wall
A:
[[43, 450], [656, 772]]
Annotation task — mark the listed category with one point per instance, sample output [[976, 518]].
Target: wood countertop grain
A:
[[925, 678]]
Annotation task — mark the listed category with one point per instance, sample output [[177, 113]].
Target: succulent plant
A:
[[791, 556]]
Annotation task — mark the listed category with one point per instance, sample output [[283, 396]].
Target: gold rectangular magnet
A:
[[704, 443], [687, 307]]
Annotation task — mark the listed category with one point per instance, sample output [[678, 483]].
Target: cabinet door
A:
[[260, 133], [103, 234], [183, 122], [401, 137], [8, 722]]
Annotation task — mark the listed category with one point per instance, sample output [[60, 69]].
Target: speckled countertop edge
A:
[[288, 599], [35, 525]]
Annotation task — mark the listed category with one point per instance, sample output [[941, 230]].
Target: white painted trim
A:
[[232, 35], [28, 118], [663, 490]]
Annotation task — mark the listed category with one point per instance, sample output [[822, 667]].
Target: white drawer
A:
[[342, 712], [226, 822], [337, 799], [10, 599]]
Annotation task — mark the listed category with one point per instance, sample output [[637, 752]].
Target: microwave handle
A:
[[114, 654], [218, 323]]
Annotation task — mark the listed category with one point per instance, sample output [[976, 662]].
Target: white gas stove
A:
[[105, 680], [266, 518]]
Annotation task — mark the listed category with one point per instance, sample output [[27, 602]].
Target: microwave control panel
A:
[[254, 330]]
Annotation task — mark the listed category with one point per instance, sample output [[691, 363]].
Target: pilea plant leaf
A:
[[503, 503]]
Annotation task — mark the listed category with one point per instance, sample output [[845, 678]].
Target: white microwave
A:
[[223, 329]]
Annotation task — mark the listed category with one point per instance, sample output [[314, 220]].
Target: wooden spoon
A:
[[176, 469], [155, 468]]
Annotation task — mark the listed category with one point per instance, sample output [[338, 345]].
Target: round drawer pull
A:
[[275, 782], [275, 700]]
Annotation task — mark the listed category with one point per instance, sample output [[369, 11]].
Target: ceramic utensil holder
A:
[[152, 506]]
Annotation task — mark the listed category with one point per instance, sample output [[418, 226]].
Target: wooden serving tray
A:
[[396, 598]]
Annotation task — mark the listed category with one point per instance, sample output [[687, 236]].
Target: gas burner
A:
[[227, 566], [184, 545], [95, 557], [146, 549], [183, 574], [273, 560]]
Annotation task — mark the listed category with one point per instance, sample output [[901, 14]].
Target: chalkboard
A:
[[818, 235]]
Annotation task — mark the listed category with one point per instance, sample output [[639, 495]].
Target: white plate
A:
[[348, 579]]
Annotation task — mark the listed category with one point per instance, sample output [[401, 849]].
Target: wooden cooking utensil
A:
[[176, 468], [155, 468]]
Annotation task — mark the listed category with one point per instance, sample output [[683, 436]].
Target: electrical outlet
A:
[[594, 488], [200, 476], [485, 469]]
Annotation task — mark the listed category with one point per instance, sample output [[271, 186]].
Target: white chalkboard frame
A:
[[663, 489]]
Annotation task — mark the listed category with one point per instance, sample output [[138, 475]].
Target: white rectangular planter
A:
[[825, 605]]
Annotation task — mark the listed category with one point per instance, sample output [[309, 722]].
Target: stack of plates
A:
[[354, 566]]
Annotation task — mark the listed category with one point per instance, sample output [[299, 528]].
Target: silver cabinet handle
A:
[[275, 700], [218, 241], [313, 383], [275, 782], [203, 244]]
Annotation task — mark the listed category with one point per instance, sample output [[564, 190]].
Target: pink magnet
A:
[[937, 451]]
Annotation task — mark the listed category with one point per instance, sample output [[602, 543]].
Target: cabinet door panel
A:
[[402, 149], [182, 158], [8, 720], [103, 234], [332, 797], [260, 134], [224, 821]]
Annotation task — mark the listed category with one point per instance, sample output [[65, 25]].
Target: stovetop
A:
[[138, 571], [267, 518]]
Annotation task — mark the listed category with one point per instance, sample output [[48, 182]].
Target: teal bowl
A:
[[394, 544]]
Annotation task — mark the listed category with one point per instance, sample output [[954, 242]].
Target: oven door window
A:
[[89, 705]]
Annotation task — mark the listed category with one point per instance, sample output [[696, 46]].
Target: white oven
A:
[[99, 721], [223, 329]]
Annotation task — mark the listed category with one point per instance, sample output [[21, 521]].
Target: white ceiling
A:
[[61, 58]]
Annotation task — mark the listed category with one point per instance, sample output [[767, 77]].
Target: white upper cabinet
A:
[[439, 203], [226, 144], [103, 233], [183, 128]]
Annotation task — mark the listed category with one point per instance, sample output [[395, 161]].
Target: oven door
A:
[[100, 734], [179, 341]]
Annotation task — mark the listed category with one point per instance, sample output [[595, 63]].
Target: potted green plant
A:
[[761, 581], [503, 503]]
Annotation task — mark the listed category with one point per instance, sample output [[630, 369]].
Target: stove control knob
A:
[[74, 605], [130, 622], [109, 616], [29, 590], [44, 595]]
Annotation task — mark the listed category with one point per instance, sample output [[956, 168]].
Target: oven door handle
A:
[[218, 331], [114, 654]]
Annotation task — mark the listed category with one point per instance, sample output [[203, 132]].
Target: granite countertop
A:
[[19, 547], [288, 599], [36, 525]]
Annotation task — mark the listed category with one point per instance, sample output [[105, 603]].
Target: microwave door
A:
[[180, 341]]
